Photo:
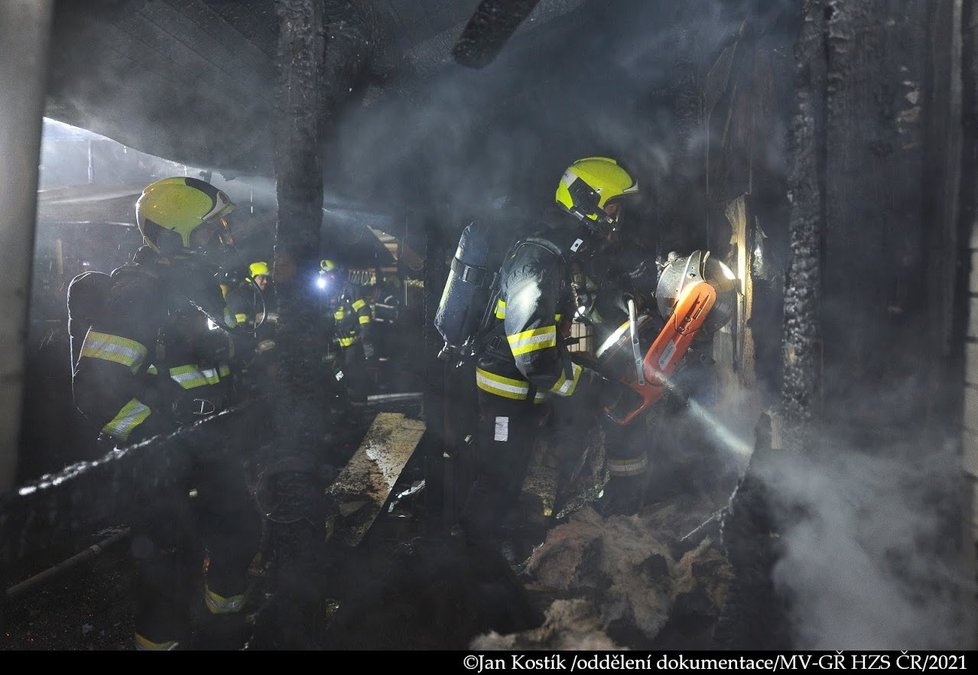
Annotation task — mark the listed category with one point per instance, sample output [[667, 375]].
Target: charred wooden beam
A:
[[491, 25], [61, 507], [874, 280], [298, 519], [802, 363]]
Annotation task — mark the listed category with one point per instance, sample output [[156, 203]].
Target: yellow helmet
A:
[[589, 184], [327, 265], [179, 205], [259, 268]]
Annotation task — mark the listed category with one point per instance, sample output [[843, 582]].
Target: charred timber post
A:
[[438, 502], [24, 33], [806, 184], [297, 530]]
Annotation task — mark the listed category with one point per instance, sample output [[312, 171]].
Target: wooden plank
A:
[[973, 278], [969, 455], [971, 408], [971, 363], [973, 317], [974, 510], [364, 484]]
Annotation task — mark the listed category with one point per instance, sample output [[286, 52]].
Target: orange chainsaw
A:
[[647, 380]]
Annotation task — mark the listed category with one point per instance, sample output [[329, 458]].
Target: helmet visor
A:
[[212, 234], [613, 210]]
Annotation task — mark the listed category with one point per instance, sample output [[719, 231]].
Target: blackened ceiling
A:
[[194, 81]]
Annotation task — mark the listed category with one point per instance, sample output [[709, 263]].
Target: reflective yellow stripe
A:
[[241, 318], [539, 396], [565, 386], [364, 319], [218, 604], [358, 305], [346, 341], [144, 644], [627, 467], [500, 309], [230, 320], [151, 370], [339, 314], [506, 387], [224, 370], [130, 416], [533, 339], [113, 348], [191, 377]]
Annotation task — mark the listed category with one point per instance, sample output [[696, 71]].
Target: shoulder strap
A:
[[545, 244]]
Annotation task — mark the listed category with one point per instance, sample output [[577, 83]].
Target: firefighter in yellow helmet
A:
[[350, 320], [259, 274], [250, 302], [154, 359], [523, 363]]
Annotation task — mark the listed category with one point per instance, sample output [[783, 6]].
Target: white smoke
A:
[[871, 552]]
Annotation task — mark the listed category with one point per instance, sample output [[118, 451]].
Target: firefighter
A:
[[351, 326], [637, 433], [155, 359], [249, 300], [523, 363], [242, 298], [624, 271]]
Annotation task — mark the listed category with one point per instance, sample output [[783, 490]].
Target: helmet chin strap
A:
[[594, 226]]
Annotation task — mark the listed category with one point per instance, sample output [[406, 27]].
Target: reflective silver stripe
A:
[[130, 416], [565, 386], [506, 387], [532, 340], [627, 467], [190, 377], [218, 604], [144, 644], [113, 348]]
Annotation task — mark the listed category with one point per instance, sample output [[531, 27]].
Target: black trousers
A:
[[355, 371], [173, 533], [507, 433]]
